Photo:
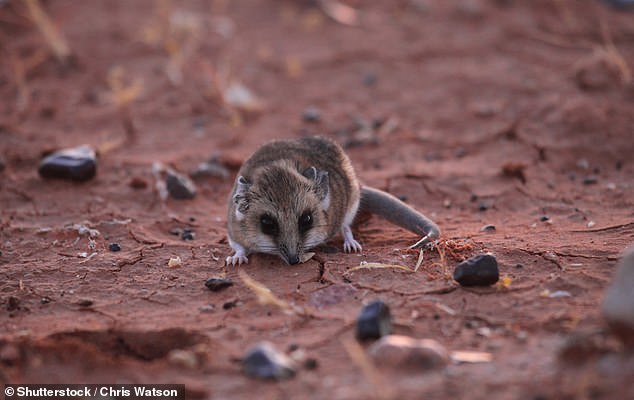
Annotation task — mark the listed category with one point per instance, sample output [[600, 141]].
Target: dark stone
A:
[[77, 164], [45, 300], [544, 218], [138, 183], [179, 186], [618, 165], [374, 321], [369, 79], [311, 114], [590, 180], [187, 234], [483, 206], [217, 284], [481, 270], [13, 303], [230, 304], [264, 362], [114, 247], [85, 303], [488, 228], [311, 363]]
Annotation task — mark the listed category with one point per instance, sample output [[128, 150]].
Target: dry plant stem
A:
[[367, 265], [266, 296], [613, 53], [372, 375], [53, 37]]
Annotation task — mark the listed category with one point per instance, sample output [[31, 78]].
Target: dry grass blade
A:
[[266, 296], [613, 54], [368, 265], [421, 255], [358, 356], [53, 37], [122, 95]]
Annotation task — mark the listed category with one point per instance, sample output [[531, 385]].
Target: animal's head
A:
[[285, 211]]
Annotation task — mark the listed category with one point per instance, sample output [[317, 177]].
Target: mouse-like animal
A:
[[293, 195]]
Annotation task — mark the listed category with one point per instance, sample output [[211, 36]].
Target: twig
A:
[[613, 53], [605, 228], [358, 356], [53, 37]]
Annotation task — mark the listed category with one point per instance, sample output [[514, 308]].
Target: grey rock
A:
[[618, 302], [481, 270], [265, 362], [179, 186]]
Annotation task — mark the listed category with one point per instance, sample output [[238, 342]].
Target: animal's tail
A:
[[394, 210]]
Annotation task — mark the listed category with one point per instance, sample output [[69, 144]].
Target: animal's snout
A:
[[293, 259]]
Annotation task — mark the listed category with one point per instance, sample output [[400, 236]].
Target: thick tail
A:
[[394, 210]]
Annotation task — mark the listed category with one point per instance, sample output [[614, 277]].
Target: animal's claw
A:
[[237, 258]]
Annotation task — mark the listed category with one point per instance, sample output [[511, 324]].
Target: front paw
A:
[[352, 246], [237, 259]]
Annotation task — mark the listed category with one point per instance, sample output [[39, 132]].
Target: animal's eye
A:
[[305, 222], [268, 225]]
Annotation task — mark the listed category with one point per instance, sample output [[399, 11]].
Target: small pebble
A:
[[187, 234], [45, 300], [374, 321], [265, 362], [230, 304], [175, 262], [217, 284], [488, 228], [114, 247], [590, 180], [76, 164], [85, 303], [481, 270], [311, 114], [618, 302], [210, 168], [179, 186], [207, 308], [544, 218], [559, 294], [183, 358], [138, 183], [369, 79], [460, 152], [311, 363], [407, 352], [483, 206]]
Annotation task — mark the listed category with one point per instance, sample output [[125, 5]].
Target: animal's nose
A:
[[293, 259]]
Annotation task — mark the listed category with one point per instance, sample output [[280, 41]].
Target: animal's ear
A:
[[321, 184], [241, 197]]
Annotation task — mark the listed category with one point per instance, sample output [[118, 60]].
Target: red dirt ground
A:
[[495, 112]]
